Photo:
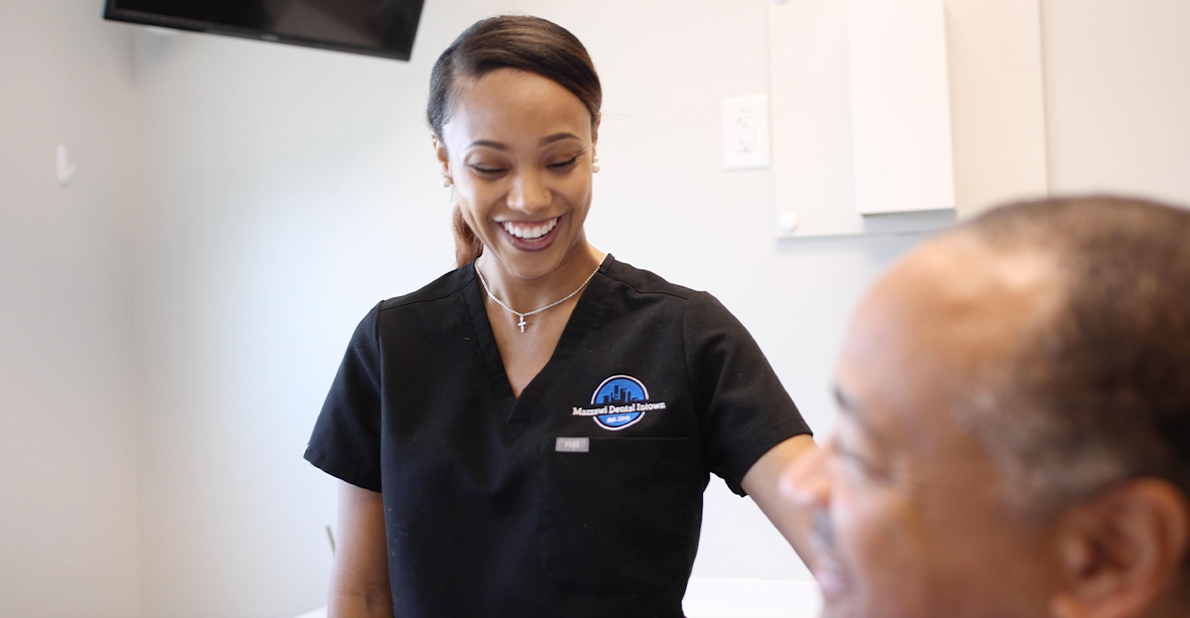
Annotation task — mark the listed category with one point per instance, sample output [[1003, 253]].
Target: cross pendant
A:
[[522, 323]]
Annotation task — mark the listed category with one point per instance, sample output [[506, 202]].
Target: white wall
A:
[[67, 392], [286, 190], [277, 207], [282, 191], [1118, 95]]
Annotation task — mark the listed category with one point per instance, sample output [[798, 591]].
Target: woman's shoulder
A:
[[443, 288], [699, 307], [641, 281]]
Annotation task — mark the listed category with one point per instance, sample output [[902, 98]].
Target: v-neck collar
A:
[[517, 412]]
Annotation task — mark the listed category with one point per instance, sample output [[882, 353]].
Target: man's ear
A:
[[1123, 551]]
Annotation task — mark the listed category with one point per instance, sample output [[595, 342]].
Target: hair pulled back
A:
[[520, 42]]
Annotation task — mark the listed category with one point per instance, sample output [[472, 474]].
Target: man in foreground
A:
[[1015, 432]]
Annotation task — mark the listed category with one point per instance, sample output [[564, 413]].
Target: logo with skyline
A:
[[619, 402]]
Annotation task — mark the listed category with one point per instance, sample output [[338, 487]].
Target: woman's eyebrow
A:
[[545, 141], [489, 144]]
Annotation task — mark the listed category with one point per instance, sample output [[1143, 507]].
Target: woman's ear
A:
[[595, 128], [1123, 553], [440, 152]]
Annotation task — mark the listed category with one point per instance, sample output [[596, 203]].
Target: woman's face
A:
[[518, 148]]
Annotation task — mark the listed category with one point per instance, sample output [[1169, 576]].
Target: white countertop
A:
[[710, 597]]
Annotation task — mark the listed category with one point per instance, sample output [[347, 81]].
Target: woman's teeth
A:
[[530, 232]]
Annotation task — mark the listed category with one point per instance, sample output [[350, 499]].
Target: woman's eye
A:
[[488, 170], [561, 165]]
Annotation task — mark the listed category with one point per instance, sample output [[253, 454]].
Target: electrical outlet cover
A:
[[746, 132]]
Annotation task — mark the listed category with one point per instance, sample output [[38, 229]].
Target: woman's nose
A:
[[528, 193], [804, 482]]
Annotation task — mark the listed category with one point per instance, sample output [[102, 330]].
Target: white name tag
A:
[[572, 445]]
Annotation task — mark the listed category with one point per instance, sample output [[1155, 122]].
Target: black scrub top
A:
[[582, 497]]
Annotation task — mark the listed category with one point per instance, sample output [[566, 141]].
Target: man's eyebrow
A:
[[844, 403], [853, 410]]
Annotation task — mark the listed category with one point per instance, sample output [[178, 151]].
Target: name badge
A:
[[572, 445]]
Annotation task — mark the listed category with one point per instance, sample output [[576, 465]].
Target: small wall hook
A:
[[65, 167]]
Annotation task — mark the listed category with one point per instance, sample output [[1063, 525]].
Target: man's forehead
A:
[[960, 289], [945, 317]]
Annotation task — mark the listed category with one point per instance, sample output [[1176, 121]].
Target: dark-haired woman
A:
[[531, 434]]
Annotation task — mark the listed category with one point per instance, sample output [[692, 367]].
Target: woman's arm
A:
[[359, 578], [761, 483]]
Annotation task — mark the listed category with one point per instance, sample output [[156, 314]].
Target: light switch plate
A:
[[746, 132]]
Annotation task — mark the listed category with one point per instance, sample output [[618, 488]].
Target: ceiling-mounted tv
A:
[[374, 27]]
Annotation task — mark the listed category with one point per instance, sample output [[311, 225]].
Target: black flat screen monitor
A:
[[374, 27]]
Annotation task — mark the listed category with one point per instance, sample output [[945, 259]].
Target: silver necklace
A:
[[526, 314]]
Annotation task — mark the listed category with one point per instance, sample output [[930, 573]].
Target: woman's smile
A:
[[532, 235]]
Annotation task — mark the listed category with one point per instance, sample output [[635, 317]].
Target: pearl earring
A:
[[446, 181], [594, 165]]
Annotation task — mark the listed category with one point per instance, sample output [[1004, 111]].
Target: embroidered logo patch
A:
[[619, 402]]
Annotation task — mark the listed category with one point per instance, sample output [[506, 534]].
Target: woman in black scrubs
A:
[[531, 434]]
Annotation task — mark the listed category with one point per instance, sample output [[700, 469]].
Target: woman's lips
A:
[[530, 230], [531, 235]]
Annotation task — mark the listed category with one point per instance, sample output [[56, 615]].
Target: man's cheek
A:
[[878, 540]]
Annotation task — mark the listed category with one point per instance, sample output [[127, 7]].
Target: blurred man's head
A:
[[1015, 433]]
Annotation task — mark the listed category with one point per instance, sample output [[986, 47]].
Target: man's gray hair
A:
[[1103, 393]]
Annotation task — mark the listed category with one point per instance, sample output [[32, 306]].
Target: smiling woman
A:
[[518, 149], [531, 433]]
